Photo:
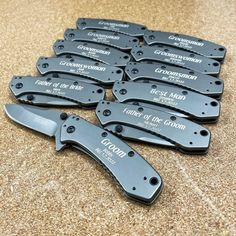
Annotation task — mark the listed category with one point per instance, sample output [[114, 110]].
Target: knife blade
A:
[[177, 57], [124, 27], [177, 101], [136, 177], [173, 75], [186, 42], [113, 39], [104, 74], [55, 91], [153, 126], [105, 54]]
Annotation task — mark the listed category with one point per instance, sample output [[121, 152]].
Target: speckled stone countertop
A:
[[47, 193]]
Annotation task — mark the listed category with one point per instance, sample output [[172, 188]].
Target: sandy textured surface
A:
[[47, 193]]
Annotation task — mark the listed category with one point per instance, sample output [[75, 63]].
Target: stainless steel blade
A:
[[43, 120]]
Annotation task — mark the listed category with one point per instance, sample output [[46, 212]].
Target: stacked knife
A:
[[165, 85]]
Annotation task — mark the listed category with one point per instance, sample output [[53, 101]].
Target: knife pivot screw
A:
[[60, 47], [71, 35], [131, 154], [30, 97], [140, 109], [19, 85], [119, 128], [99, 91], [70, 129], [45, 65], [83, 23], [151, 37], [104, 134], [123, 91], [75, 83], [139, 53], [173, 118], [154, 86], [184, 92], [63, 116], [106, 112], [153, 181], [134, 71]]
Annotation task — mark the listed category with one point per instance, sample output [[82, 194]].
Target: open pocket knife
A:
[[177, 57], [137, 178], [105, 54], [153, 126], [177, 101], [55, 91], [123, 27], [186, 42], [177, 76], [105, 75], [113, 39]]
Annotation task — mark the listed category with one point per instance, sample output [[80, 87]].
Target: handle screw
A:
[[70, 129]]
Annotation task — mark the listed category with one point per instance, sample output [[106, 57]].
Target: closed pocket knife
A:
[[123, 27], [55, 91], [177, 76], [177, 101], [113, 39], [186, 42], [105, 54], [153, 126], [177, 57], [105, 75], [137, 178]]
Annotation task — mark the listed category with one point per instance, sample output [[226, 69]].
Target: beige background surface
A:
[[44, 192]]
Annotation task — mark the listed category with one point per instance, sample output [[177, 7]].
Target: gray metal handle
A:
[[190, 43], [135, 176], [55, 91], [177, 57], [183, 133], [114, 39], [104, 74], [124, 27], [101, 53]]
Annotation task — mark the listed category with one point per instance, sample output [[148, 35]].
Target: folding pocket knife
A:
[[55, 91], [177, 57], [103, 74], [137, 178], [113, 39], [123, 27], [186, 42], [177, 101], [105, 54], [173, 75], [153, 126]]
